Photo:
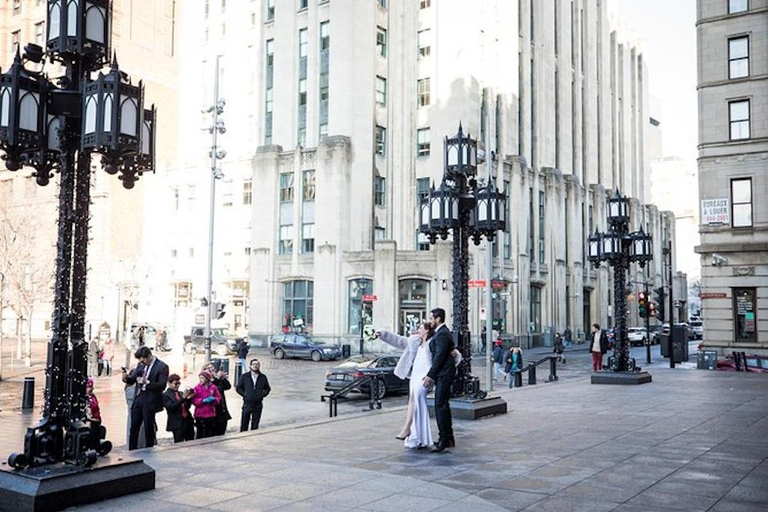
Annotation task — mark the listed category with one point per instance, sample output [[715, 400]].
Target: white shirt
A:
[[146, 374], [596, 341]]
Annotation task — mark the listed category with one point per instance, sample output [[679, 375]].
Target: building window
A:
[[380, 233], [422, 142], [270, 10], [297, 301], [380, 191], [507, 234], [286, 239], [174, 253], [175, 199], [303, 4], [422, 189], [182, 294], [531, 230], [15, 39], [413, 301], [16, 7], [381, 41], [247, 251], [40, 33], [307, 238], [247, 191], [745, 314], [542, 207], [383, 4], [301, 135], [423, 90], [425, 3], [286, 187], [308, 185], [738, 57], [535, 325], [425, 42], [381, 91], [741, 203], [738, 112], [325, 45], [270, 80], [735, 6], [381, 140], [325, 36], [358, 308]]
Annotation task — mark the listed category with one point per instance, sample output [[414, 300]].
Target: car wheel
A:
[[221, 350], [382, 389], [279, 353], [316, 356]]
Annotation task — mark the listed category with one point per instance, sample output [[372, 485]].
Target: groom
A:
[[442, 373]]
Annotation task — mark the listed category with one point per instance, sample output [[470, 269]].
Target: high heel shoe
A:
[[401, 437]]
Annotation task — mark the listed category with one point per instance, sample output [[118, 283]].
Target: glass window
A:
[[298, 301], [286, 239], [383, 4], [247, 191], [286, 187], [412, 304], [531, 239], [535, 325], [40, 33], [425, 3], [358, 309], [380, 233], [270, 10], [302, 42], [381, 41], [303, 4], [425, 42], [380, 193], [737, 6], [423, 92], [308, 238], [741, 201], [16, 7], [422, 189], [381, 91], [745, 314], [422, 142], [738, 57], [381, 140], [507, 233], [542, 206], [308, 185], [325, 35], [739, 119]]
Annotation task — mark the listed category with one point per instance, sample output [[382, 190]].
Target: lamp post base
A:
[[58, 486], [465, 408], [621, 378]]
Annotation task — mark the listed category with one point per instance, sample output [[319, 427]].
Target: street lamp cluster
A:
[[58, 124], [467, 209], [618, 247]]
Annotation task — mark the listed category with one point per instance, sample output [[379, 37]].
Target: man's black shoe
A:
[[439, 446]]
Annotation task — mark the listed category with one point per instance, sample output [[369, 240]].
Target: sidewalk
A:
[[691, 440]]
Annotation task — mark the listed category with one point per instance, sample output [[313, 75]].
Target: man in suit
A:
[[150, 377], [598, 346], [441, 374], [253, 387], [176, 403]]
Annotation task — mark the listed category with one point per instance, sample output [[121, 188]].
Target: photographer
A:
[[149, 377], [177, 404]]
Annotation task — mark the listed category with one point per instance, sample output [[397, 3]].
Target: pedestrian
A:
[[93, 412], [204, 398], [177, 404], [221, 381], [559, 348], [253, 387], [242, 354], [515, 362], [441, 374], [483, 335], [567, 335], [597, 347], [108, 354], [150, 377], [497, 356], [94, 351], [140, 336]]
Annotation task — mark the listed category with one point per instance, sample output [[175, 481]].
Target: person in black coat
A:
[[176, 403], [150, 378], [598, 345], [253, 387], [441, 374], [221, 381]]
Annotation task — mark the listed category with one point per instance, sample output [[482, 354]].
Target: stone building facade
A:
[[733, 158]]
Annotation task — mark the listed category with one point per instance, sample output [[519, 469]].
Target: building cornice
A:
[[732, 81], [723, 17]]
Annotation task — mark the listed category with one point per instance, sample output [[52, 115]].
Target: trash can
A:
[[346, 351], [680, 343], [706, 360], [220, 363]]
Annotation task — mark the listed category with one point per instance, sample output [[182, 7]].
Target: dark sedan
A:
[[302, 346], [357, 366]]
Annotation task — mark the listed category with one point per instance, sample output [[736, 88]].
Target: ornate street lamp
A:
[[59, 124], [465, 209], [619, 248]]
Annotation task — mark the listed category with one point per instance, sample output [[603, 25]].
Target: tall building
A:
[[145, 39], [336, 112], [733, 155]]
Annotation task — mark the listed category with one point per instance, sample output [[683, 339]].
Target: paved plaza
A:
[[692, 440]]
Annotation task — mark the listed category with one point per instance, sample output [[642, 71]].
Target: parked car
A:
[[302, 346], [636, 336], [223, 341], [697, 328], [150, 335], [357, 366]]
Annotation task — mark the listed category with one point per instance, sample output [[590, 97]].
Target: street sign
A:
[[483, 317], [370, 298], [476, 283], [712, 295]]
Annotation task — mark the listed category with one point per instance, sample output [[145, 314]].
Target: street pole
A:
[[489, 316], [647, 328], [671, 345], [2, 308]]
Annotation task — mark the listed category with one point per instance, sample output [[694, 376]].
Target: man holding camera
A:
[[150, 377]]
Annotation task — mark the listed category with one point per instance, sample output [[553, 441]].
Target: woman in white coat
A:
[[414, 363]]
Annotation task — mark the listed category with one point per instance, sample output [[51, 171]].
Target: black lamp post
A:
[[618, 247], [467, 209], [59, 124]]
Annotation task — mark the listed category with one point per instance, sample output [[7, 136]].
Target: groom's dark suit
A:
[[442, 372]]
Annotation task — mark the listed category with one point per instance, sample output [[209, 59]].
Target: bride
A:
[[414, 363]]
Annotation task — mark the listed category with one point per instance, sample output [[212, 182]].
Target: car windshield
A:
[[357, 362], [224, 333]]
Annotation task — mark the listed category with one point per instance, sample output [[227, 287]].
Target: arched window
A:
[[357, 289], [413, 302]]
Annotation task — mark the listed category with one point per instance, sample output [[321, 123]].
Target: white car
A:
[[697, 328], [636, 336]]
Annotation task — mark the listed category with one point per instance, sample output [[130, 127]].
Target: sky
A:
[[666, 30]]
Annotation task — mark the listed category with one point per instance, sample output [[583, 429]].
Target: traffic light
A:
[[642, 304], [659, 300], [219, 310], [652, 309]]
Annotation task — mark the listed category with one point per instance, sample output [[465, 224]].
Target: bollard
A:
[[518, 379], [531, 374], [28, 399], [552, 369]]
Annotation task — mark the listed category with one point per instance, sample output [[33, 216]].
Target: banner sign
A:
[[715, 211]]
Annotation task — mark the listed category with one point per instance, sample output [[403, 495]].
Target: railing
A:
[[531, 369], [371, 376]]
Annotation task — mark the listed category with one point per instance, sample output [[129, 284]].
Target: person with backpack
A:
[[498, 360]]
